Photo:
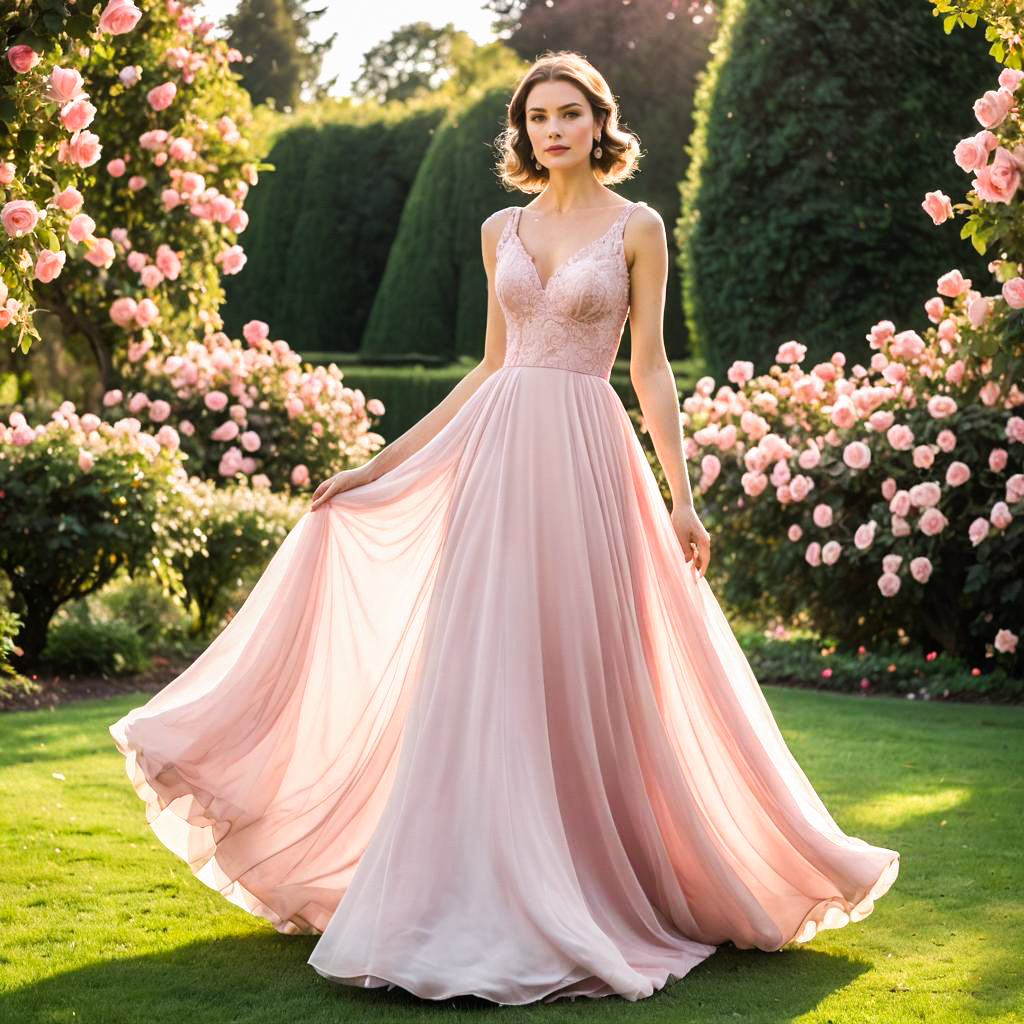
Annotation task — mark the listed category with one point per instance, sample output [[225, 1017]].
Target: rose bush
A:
[[886, 502], [248, 408], [79, 498]]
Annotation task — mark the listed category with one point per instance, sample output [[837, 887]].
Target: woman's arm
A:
[[652, 377], [428, 427]]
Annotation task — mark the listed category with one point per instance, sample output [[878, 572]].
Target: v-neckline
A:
[[543, 286]]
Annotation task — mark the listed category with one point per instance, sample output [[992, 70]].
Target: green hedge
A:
[[321, 226], [819, 129]]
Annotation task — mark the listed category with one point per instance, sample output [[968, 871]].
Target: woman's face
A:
[[558, 113]]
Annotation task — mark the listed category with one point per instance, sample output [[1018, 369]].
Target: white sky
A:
[[361, 25]]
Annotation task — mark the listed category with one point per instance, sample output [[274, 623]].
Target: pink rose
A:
[[70, 199], [146, 312], [991, 108], [255, 331], [81, 227], [970, 154], [946, 440], [711, 466], [920, 569], [1015, 488], [1013, 292], [22, 58], [65, 85], [888, 488], [160, 97], [940, 406], [49, 264], [122, 311], [794, 533], [85, 460], [100, 252], [899, 504], [119, 17], [168, 262], [215, 400], [790, 352], [892, 563], [830, 552], [77, 114], [998, 181], [978, 530], [925, 495], [159, 410], [844, 413], [900, 436], [800, 486], [1010, 78], [1000, 515], [979, 309], [740, 372], [881, 420], [227, 431], [250, 440], [864, 536], [1015, 429], [955, 371], [83, 149], [932, 521], [813, 553], [116, 167], [19, 217], [958, 473], [989, 393], [231, 259], [300, 476], [112, 397], [889, 584], [938, 206], [809, 457], [754, 483], [935, 308], [952, 284], [997, 460], [1005, 642], [857, 455], [923, 456], [822, 515]]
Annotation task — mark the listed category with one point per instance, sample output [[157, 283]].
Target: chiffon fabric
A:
[[481, 727]]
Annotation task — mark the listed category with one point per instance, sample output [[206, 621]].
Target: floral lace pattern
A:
[[574, 321]]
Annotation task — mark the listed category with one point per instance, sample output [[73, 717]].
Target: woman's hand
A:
[[343, 481], [692, 536]]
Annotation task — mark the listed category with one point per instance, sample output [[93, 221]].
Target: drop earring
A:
[[597, 150], [536, 162]]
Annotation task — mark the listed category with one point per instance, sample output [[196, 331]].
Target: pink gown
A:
[[481, 727]]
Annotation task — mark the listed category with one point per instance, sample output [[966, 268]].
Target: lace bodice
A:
[[574, 321]]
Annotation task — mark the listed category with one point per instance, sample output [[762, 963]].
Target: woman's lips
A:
[[557, 149]]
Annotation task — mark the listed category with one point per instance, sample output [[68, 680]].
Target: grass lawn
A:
[[100, 923]]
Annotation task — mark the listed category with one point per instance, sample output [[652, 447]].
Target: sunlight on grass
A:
[[100, 922], [890, 810]]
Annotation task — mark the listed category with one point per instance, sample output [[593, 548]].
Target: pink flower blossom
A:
[[162, 96], [822, 515], [795, 532], [790, 352], [932, 522], [857, 455], [920, 569], [940, 406], [215, 400], [998, 181], [1005, 642], [997, 460], [1015, 488], [900, 436], [830, 552], [992, 107], [958, 473], [888, 488], [812, 555], [952, 284], [864, 536], [300, 475], [22, 58], [946, 440], [1000, 515], [1015, 429], [923, 456], [889, 584], [19, 217], [119, 17], [978, 530], [1013, 292], [938, 206], [925, 495], [891, 563]]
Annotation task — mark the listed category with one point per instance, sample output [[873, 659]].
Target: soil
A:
[[59, 689]]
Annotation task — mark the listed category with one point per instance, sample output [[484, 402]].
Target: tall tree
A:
[[281, 62], [414, 59]]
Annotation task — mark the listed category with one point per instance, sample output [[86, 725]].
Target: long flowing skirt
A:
[[481, 727]]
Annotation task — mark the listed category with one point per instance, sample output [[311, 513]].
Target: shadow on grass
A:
[[266, 977]]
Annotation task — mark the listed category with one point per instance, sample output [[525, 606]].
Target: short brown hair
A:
[[620, 149]]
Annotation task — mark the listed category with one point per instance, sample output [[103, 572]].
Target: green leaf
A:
[[969, 228], [54, 22], [998, 52], [949, 24], [50, 241], [971, 19], [979, 242]]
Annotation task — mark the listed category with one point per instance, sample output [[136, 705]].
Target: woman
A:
[[481, 723]]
